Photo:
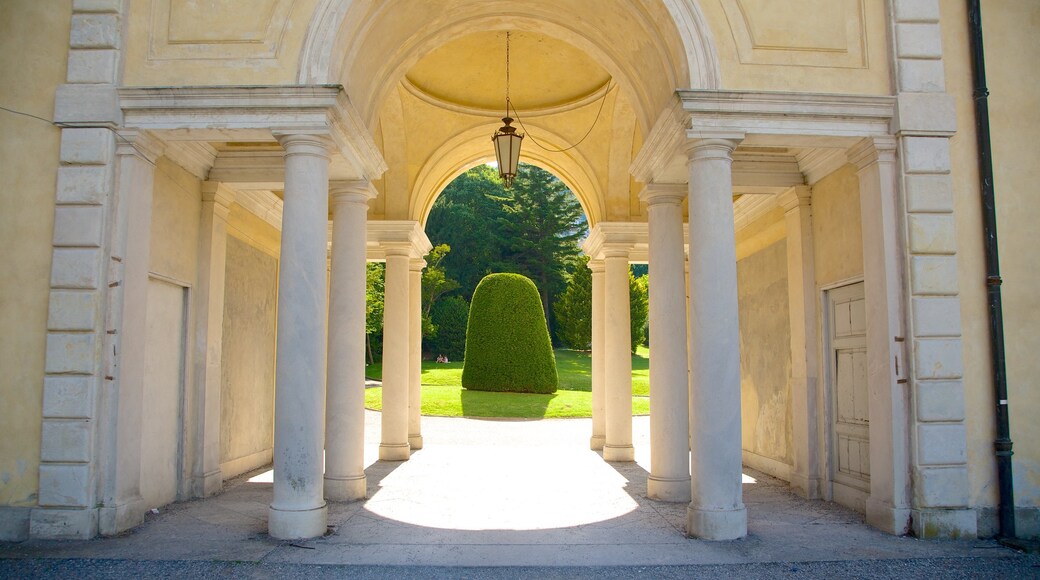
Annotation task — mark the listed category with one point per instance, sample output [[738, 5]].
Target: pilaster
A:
[[415, 268], [801, 292], [599, 419], [209, 336]]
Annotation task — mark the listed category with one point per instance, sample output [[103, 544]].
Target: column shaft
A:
[[599, 419], [415, 440], [618, 363], [345, 397], [669, 478], [396, 338], [299, 509], [716, 510]]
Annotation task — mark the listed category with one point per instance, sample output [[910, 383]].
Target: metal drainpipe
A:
[[1002, 445]]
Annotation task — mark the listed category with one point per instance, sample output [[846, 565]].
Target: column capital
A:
[[354, 191], [143, 144], [597, 266], [711, 144], [616, 250], [389, 234], [664, 193], [417, 264], [798, 196], [220, 195], [869, 151], [302, 143]]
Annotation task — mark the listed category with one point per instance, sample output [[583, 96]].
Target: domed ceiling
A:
[[545, 73]]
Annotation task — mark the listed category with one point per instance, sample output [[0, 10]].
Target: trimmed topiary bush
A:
[[507, 340]]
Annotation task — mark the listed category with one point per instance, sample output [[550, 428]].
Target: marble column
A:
[[415, 440], [209, 336], [299, 509], [618, 363], [345, 395], [396, 337], [599, 419], [801, 293], [716, 510], [669, 478]]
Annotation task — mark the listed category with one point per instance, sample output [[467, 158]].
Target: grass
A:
[[444, 396]]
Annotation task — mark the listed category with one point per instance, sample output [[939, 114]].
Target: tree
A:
[[574, 309], [450, 316], [542, 225], [374, 309], [639, 308], [507, 341], [435, 283]]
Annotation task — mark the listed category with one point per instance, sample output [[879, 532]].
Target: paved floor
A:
[[508, 493]]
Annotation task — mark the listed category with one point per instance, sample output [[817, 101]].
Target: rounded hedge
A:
[[507, 340]]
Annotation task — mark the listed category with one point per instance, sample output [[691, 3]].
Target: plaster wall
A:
[[232, 42], [1012, 49], [176, 207], [826, 46], [247, 363], [765, 353], [33, 51], [837, 234]]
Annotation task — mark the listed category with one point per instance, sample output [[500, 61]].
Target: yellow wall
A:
[[33, 50], [765, 353], [248, 354], [232, 42], [176, 203], [825, 46], [1012, 50], [837, 236]]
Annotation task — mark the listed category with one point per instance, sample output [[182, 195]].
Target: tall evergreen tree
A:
[[574, 309]]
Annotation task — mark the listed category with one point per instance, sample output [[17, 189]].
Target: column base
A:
[[63, 524], [664, 489], [945, 524], [888, 519], [619, 453], [805, 486], [119, 518], [207, 484], [297, 525], [716, 524], [415, 442], [596, 442], [346, 488], [394, 451]]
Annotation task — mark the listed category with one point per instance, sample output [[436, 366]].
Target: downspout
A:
[[1002, 445]]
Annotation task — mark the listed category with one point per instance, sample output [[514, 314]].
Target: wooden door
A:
[[850, 410]]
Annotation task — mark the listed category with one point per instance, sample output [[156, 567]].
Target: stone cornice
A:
[[254, 114], [396, 235], [632, 237]]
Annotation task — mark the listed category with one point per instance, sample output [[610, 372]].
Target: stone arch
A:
[[471, 148], [340, 39]]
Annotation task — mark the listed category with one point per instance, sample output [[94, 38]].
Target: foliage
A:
[[435, 283], [507, 341], [450, 316], [532, 229], [374, 310], [639, 308], [574, 309]]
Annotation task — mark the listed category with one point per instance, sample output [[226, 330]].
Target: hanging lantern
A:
[[507, 140], [507, 151]]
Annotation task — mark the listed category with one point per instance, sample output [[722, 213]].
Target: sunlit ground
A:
[[504, 475]]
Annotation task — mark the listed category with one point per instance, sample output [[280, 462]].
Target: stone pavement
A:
[[487, 493]]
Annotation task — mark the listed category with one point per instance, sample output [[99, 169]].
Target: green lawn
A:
[[443, 394]]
